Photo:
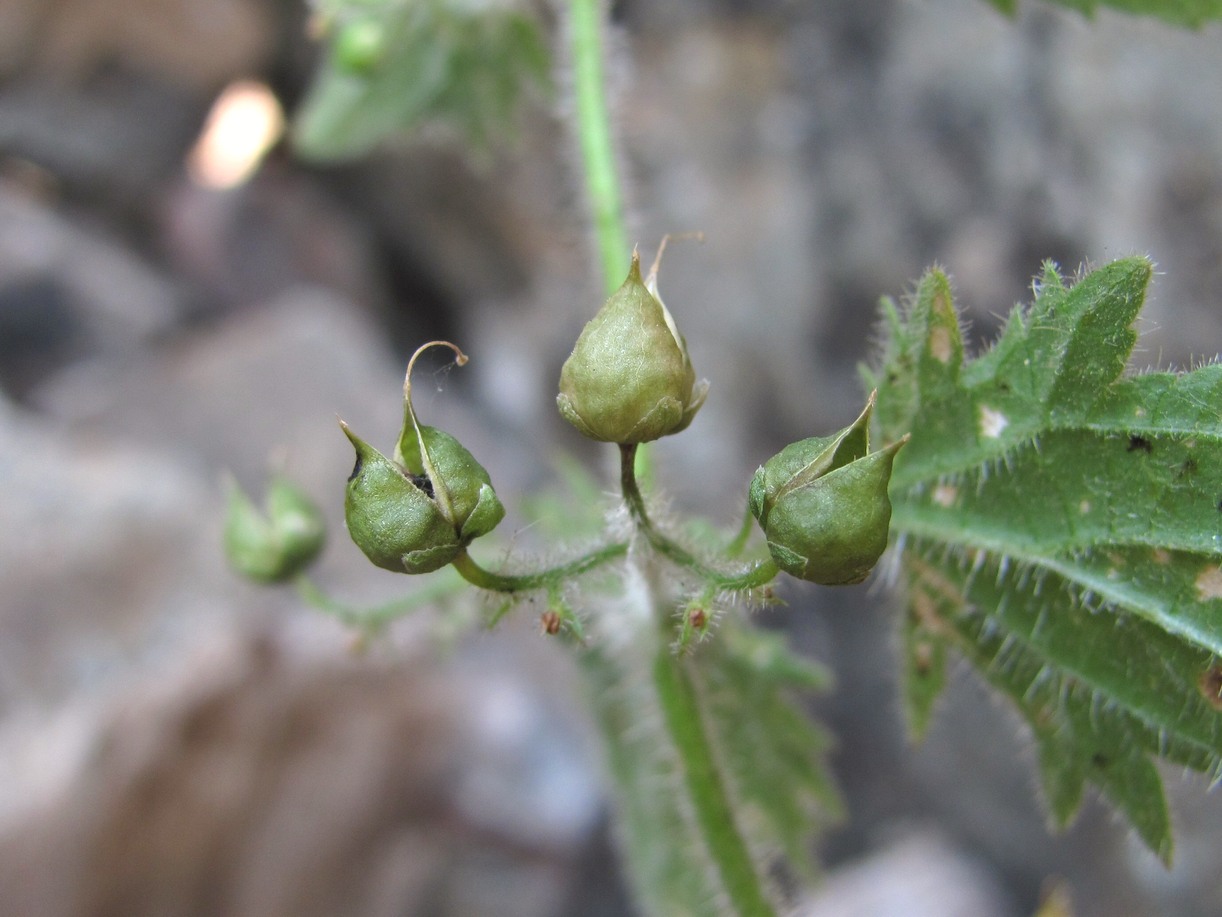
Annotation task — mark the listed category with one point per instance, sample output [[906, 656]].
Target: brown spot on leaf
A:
[[1210, 684], [1209, 584], [939, 343], [1140, 444], [945, 495]]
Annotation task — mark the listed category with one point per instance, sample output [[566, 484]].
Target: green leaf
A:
[[390, 67], [1193, 13], [661, 841], [717, 770], [772, 753], [1060, 526]]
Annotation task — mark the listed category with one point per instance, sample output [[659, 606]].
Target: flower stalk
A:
[[587, 24]]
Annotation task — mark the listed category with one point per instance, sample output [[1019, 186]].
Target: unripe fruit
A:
[[629, 378], [416, 512], [823, 504]]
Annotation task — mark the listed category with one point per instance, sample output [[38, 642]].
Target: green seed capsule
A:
[[414, 513], [460, 485], [394, 518], [629, 378], [276, 546], [823, 504]]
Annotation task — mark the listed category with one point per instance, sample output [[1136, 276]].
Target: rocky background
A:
[[176, 742]]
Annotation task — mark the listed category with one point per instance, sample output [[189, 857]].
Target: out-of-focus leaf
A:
[[392, 65], [1192, 13], [757, 746]]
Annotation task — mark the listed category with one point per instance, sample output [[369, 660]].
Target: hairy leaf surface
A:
[[1060, 526]]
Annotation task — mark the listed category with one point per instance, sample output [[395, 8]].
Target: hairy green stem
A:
[[672, 690], [596, 139], [757, 574], [542, 579], [586, 25]]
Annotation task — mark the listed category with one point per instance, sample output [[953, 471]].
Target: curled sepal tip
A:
[[277, 544], [415, 512], [629, 378], [823, 506]]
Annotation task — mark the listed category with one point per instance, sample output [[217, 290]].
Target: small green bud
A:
[[276, 546], [360, 45], [629, 378], [823, 504], [415, 512]]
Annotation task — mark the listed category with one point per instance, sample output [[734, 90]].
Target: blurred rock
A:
[[241, 247], [69, 294], [72, 39], [1193, 884], [231, 394], [106, 145], [261, 779], [102, 558], [920, 875]]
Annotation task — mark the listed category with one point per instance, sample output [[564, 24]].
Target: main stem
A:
[[684, 720], [673, 695], [586, 26]]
